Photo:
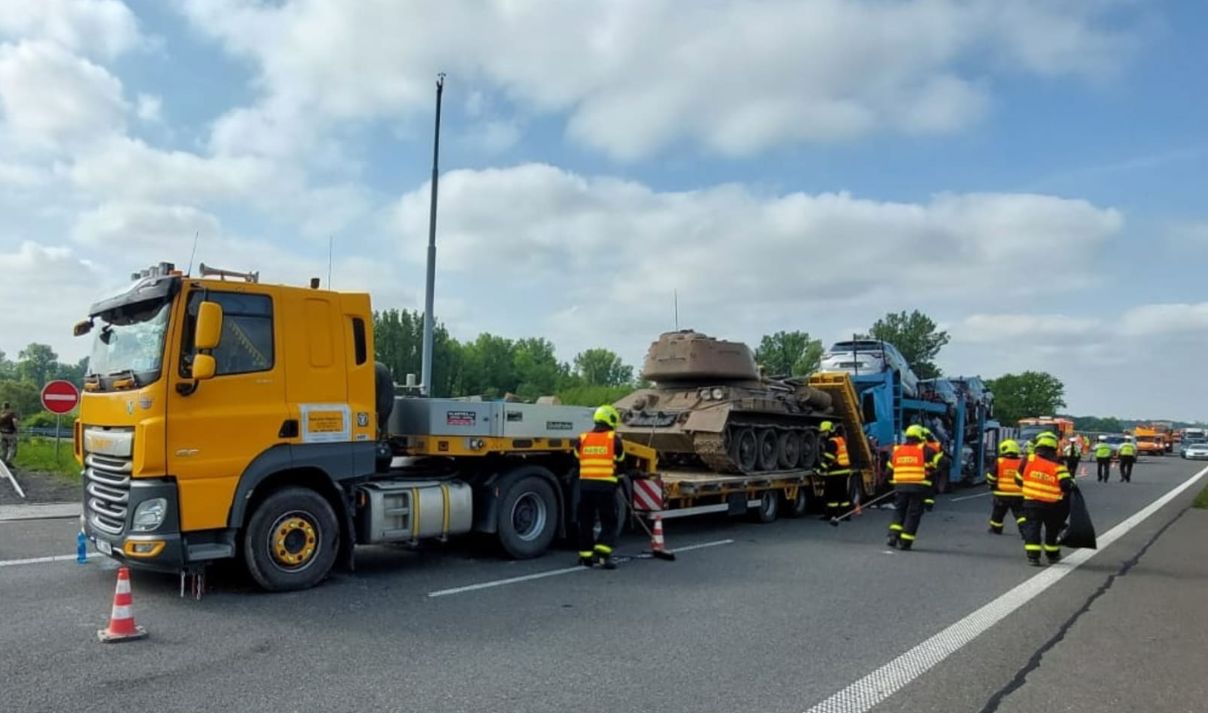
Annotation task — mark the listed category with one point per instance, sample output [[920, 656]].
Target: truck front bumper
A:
[[161, 548]]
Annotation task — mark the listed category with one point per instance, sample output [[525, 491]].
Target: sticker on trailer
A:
[[559, 426], [326, 423], [460, 418], [648, 495]]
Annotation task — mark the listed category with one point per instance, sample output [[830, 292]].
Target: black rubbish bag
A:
[[1079, 532]]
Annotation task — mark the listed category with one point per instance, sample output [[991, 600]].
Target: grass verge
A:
[[1201, 500], [38, 454]]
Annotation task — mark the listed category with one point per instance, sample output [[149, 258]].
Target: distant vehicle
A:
[[1189, 443], [1152, 439], [1029, 428], [1195, 451], [1114, 440], [870, 356]]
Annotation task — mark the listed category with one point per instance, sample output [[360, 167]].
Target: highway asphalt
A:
[[778, 618]]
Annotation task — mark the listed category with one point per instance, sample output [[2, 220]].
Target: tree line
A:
[[21, 381]]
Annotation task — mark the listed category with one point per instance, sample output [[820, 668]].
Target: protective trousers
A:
[[1040, 529], [1071, 464], [597, 500], [1105, 469], [1126, 466], [836, 493], [907, 513], [1002, 505]]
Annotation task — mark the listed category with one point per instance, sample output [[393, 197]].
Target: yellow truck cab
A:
[[222, 417]]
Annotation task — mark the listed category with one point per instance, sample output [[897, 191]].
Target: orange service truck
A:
[[1152, 439], [223, 418]]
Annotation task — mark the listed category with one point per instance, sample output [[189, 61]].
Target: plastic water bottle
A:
[[81, 548]]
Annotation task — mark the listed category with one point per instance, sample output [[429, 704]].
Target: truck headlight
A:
[[149, 515]]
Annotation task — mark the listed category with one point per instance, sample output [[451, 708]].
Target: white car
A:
[[1196, 451], [870, 356]]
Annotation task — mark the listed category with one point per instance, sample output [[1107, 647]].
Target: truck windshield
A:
[[130, 343]]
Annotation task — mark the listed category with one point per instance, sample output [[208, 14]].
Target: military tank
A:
[[711, 407]]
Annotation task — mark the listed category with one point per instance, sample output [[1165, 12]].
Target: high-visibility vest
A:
[[841, 462], [1127, 449], [598, 456], [909, 465], [1042, 479], [1103, 450], [1004, 477], [939, 452], [1072, 450]]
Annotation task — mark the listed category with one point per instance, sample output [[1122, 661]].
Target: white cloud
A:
[[149, 108], [102, 28], [636, 77], [34, 272], [1170, 319], [52, 99], [146, 227]]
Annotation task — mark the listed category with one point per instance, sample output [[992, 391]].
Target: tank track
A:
[[713, 453]]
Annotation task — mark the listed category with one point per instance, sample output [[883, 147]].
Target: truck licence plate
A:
[[104, 547]]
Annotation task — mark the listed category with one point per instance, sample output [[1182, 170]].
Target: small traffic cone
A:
[[1081, 471], [121, 620], [656, 540]]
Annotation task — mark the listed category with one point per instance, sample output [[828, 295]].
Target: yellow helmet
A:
[[607, 415], [1009, 446], [914, 430], [826, 426], [1046, 440]]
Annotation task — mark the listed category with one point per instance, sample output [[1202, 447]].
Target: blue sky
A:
[[1028, 173]]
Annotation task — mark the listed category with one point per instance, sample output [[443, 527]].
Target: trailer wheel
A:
[[291, 540], [528, 518], [797, 506], [769, 506]]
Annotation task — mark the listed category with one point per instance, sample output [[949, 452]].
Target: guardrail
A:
[[47, 432]]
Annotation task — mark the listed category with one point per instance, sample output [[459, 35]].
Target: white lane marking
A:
[[550, 573], [970, 497], [882, 683], [44, 560]]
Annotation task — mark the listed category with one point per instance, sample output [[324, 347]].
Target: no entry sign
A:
[[60, 397]]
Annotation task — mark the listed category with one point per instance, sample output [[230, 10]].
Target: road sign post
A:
[[59, 397]]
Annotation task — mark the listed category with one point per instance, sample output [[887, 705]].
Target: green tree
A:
[[37, 364], [789, 353], [1032, 393], [916, 336], [23, 395], [488, 367], [538, 371], [602, 367]]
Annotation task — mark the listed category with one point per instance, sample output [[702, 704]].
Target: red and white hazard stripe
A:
[[648, 495]]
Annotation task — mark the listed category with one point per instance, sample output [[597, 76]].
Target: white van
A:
[[870, 356]]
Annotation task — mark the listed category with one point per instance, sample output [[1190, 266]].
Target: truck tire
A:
[[291, 540], [527, 518], [768, 508], [798, 506]]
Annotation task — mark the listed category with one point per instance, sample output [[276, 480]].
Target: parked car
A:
[[1196, 450], [870, 356]]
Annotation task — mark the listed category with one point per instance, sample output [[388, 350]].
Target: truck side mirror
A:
[[204, 367], [209, 326]]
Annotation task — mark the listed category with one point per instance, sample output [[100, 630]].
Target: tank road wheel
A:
[[788, 449], [809, 450], [768, 449], [744, 449], [291, 540], [769, 506]]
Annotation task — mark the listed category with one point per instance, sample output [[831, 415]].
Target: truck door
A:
[[215, 431]]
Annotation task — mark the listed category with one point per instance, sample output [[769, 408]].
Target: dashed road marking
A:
[[44, 560]]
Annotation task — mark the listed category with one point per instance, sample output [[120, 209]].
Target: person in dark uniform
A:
[[911, 468], [1073, 455], [1045, 482], [599, 451], [837, 471], [1127, 452], [1103, 457], [1008, 495], [9, 423]]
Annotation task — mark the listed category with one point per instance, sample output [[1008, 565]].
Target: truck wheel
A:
[[769, 506], [291, 541], [797, 506], [528, 518]]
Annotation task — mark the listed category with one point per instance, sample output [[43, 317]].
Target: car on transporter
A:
[[870, 356]]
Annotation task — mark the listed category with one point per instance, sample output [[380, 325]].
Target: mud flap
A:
[[737, 503]]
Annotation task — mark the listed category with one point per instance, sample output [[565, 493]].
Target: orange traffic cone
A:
[[1081, 471], [656, 539], [121, 620]]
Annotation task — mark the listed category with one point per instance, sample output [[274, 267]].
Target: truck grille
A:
[[108, 491]]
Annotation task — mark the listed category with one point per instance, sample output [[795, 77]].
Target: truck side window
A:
[[246, 345], [358, 340]]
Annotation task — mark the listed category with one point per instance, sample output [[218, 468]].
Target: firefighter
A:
[[1073, 455], [599, 451], [1008, 495], [1103, 456], [938, 463], [837, 464], [911, 469], [1044, 481], [1128, 458]]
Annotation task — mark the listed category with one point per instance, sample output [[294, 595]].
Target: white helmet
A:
[[1103, 438]]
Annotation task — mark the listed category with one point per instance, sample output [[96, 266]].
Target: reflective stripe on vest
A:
[[1042, 480], [909, 467], [597, 456], [1008, 468]]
